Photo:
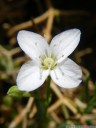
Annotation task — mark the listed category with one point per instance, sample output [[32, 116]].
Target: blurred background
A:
[[48, 17]]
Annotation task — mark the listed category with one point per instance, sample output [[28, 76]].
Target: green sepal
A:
[[16, 93], [26, 94]]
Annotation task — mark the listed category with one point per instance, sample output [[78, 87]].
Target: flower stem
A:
[[42, 105], [41, 114], [48, 97]]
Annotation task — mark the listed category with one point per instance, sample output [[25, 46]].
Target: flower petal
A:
[[31, 77], [64, 43], [67, 75], [32, 44]]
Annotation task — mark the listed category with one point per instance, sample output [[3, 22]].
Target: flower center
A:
[[48, 63]]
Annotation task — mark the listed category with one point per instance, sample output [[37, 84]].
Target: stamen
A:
[[36, 58], [41, 73], [59, 58], [46, 52], [61, 70], [39, 57], [41, 50], [61, 41], [35, 43], [54, 45], [56, 75]]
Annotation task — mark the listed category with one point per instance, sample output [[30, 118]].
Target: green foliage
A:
[[3, 63], [7, 100], [91, 103], [63, 125], [68, 124], [86, 88]]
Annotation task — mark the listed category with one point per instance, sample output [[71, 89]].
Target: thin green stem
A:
[[42, 105], [48, 90]]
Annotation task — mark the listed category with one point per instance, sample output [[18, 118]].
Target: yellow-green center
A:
[[48, 63]]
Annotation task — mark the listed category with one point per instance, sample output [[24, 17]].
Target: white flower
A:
[[49, 60]]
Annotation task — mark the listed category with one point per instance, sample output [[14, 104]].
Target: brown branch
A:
[[82, 53], [15, 51], [55, 117], [21, 116], [47, 30], [29, 23], [66, 101]]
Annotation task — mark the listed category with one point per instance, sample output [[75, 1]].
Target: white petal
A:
[[67, 75], [64, 43], [31, 77], [70, 68], [32, 44]]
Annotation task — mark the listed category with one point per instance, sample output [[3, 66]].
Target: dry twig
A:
[[21, 116]]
